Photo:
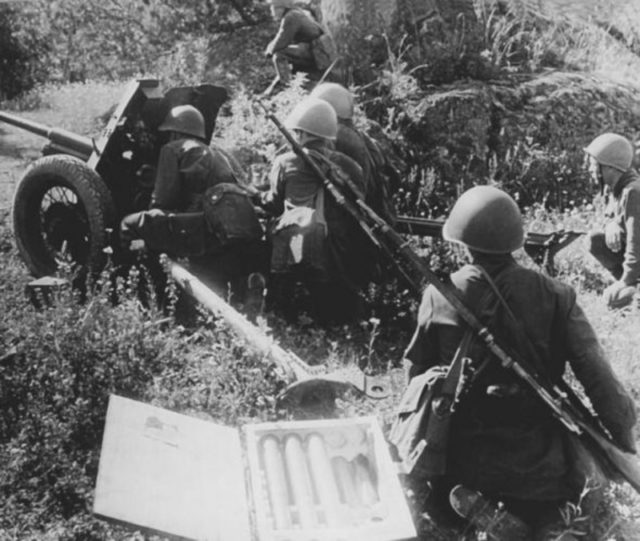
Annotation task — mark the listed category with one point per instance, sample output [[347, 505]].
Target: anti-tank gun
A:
[[70, 201]]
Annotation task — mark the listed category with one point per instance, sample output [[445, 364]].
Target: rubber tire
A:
[[93, 196]]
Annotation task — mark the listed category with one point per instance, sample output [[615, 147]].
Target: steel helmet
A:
[[613, 150], [184, 119], [486, 220], [314, 116], [337, 96]]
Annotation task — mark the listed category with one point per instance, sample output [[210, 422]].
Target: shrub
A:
[[21, 52]]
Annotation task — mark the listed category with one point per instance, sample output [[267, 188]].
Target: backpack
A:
[[229, 215], [420, 432]]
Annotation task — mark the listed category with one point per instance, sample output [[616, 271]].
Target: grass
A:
[[588, 36]]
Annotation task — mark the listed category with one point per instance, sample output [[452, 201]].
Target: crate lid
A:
[[171, 473]]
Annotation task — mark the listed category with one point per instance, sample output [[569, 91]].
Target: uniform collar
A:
[[493, 263]]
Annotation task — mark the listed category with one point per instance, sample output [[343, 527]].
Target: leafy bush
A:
[[59, 367], [21, 49]]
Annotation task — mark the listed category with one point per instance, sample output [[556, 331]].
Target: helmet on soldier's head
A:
[[337, 96], [613, 150], [184, 119], [485, 219], [314, 116]]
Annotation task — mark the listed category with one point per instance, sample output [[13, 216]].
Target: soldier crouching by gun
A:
[[302, 43], [504, 444], [314, 241], [199, 211]]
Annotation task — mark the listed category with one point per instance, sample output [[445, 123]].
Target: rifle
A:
[[562, 401], [541, 247]]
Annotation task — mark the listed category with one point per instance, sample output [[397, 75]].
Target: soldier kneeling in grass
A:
[[199, 211], [617, 248], [314, 240], [511, 467], [381, 175]]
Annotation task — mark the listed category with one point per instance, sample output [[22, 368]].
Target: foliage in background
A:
[[20, 52], [74, 40]]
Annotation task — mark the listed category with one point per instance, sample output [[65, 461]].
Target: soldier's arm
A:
[[166, 190], [608, 396], [351, 168], [272, 201], [631, 265], [435, 323]]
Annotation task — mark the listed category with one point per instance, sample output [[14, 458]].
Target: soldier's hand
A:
[[619, 294], [613, 236]]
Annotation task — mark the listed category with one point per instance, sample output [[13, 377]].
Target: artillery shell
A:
[[345, 478], [365, 484], [276, 482], [324, 479], [300, 480]]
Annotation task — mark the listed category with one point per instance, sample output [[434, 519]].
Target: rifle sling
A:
[[526, 343]]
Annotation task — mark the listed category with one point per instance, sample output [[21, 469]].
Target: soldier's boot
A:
[[254, 297], [489, 518]]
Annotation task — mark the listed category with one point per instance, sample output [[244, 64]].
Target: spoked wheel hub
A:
[[65, 228], [61, 213]]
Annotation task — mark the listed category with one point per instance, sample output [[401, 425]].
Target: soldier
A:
[[617, 248], [313, 239], [301, 41], [379, 172], [505, 445], [199, 211]]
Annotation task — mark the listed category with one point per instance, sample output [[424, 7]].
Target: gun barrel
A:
[[61, 141]]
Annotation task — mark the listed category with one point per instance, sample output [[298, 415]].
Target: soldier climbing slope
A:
[[504, 443], [379, 173], [301, 42], [314, 241], [617, 248], [199, 211]]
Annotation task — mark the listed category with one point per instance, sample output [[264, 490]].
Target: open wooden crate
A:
[[326, 480]]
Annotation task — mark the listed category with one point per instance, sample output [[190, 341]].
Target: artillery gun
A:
[[70, 201]]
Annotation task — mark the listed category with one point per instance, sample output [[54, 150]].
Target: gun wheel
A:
[[61, 212]]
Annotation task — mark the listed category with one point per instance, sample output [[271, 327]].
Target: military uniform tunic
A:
[[297, 26], [504, 440], [624, 209], [186, 168], [294, 184]]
